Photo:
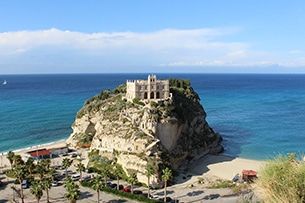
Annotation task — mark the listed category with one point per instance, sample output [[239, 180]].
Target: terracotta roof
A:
[[39, 152], [249, 172]]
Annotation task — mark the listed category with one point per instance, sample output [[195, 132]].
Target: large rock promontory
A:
[[167, 132]]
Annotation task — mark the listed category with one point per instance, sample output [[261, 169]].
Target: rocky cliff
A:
[[168, 132]]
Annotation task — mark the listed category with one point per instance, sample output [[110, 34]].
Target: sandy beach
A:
[[212, 167]]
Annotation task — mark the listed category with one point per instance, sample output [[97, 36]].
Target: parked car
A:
[[75, 177], [57, 167], [137, 192], [88, 170], [154, 196], [64, 172], [54, 183], [56, 174], [84, 178], [126, 189], [112, 185], [73, 155], [168, 199], [24, 184]]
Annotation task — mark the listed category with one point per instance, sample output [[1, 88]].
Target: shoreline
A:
[[4, 162], [34, 147]]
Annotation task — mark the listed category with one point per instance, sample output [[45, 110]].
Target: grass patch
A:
[[222, 184]]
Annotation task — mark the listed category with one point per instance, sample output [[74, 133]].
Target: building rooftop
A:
[[39, 152]]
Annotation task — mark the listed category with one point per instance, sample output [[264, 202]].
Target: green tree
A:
[[36, 190], [40, 169], [46, 183], [105, 172], [19, 173], [72, 189], [51, 173], [46, 163], [166, 176], [149, 172], [17, 160], [10, 156], [132, 179], [80, 167], [30, 166], [117, 172], [97, 185], [66, 163]]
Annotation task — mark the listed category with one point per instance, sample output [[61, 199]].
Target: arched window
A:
[[158, 95], [145, 95], [152, 95]]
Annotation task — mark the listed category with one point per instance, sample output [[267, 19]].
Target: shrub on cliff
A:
[[137, 100], [283, 179], [120, 89]]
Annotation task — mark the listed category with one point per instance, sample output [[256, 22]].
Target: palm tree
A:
[[166, 175], [36, 190], [46, 183], [66, 163], [52, 172], [68, 182], [30, 165], [46, 163], [149, 172], [41, 170], [80, 167], [117, 172], [97, 185], [19, 173], [73, 192], [132, 179], [17, 159], [105, 173], [10, 156]]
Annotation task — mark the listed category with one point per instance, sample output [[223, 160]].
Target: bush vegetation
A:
[[185, 98], [283, 179], [222, 184], [137, 100], [84, 138], [120, 89]]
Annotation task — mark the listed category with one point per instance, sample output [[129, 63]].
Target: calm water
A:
[[258, 116]]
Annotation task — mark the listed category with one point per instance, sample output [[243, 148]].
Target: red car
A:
[[126, 189]]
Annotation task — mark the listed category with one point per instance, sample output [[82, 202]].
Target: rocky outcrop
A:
[[169, 132]]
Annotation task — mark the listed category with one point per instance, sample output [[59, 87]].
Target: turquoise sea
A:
[[258, 115]]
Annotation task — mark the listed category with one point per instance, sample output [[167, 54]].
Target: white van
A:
[[24, 184], [75, 177]]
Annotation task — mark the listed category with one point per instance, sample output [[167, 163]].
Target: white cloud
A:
[[169, 47]]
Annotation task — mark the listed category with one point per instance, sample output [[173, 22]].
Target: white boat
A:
[[4, 82]]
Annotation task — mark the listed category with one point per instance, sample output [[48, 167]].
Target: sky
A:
[[134, 36]]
